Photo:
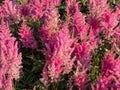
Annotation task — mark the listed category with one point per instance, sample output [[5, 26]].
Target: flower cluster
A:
[[80, 49], [110, 76], [27, 37], [10, 58], [58, 56]]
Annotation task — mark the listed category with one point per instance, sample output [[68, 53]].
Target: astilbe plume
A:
[[30, 9], [109, 22], [49, 22], [102, 18], [33, 8], [79, 26], [96, 8], [80, 76], [10, 58], [94, 23], [109, 19], [101, 21], [25, 10], [78, 19], [50, 26], [72, 7], [110, 73], [10, 11], [83, 53], [36, 9], [83, 49], [58, 56], [27, 38], [70, 42], [50, 19]]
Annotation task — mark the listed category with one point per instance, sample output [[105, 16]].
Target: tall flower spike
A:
[[62, 47], [109, 21], [110, 76], [10, 58], [72, 7], [27, 37], [25, 10], [94, 23], [51, 18], [80, 76], [36, 8], [11, 10], [78, 20], [50, 26], [83, 53], [97, 6], [58, 55]]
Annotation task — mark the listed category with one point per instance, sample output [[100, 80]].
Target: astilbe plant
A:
[[10, 58], [10, 11], [50, 22], [63, 46], [50, 26], [78, 24], [110, 77], [27, 37], [58, 56]]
